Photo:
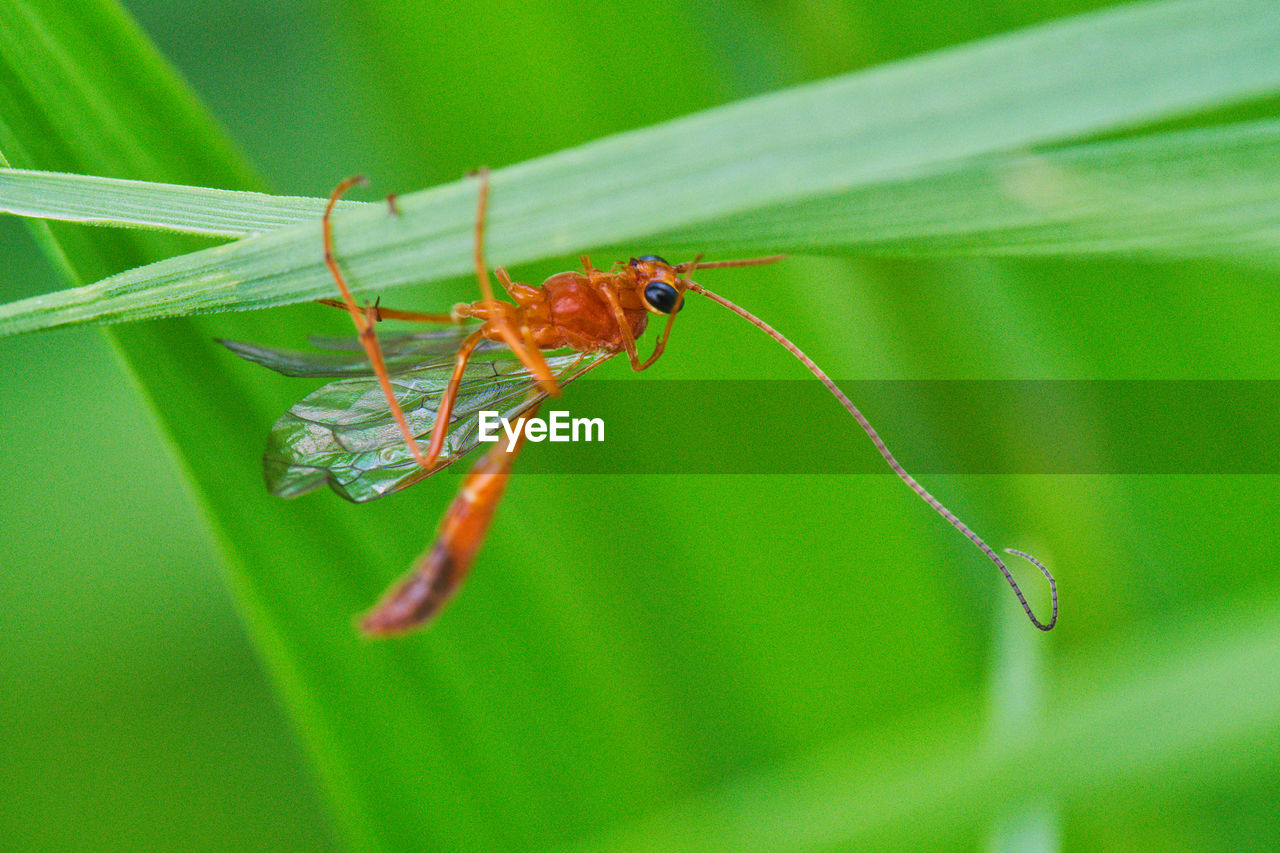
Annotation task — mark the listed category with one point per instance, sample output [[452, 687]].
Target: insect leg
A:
[[500, 312], [628, 340], [435, 577], [521, 293], [445, 408], [364, 323], [380, 313], [661, 344]]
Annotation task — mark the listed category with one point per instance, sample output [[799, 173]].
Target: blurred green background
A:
[[649, 662]]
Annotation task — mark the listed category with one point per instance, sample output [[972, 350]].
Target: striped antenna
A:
[[912, 482]]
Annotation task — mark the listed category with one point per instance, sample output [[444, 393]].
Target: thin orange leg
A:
[[531, 356], [364, 323], [629, 342], [445, 409], [380, 313], [662, 342], [521, 293]]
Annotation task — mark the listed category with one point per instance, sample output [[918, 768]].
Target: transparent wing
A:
[[343, 434], [343, 356]]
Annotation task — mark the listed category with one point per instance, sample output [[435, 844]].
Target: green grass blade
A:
[[190, 210], [85, 92], [1105, 726], [790, 171], [1204, 192], [1200, 191]]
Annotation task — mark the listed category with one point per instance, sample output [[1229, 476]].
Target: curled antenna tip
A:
[[1053, 590]]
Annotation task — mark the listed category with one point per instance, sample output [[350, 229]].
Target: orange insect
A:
[[360, 433]]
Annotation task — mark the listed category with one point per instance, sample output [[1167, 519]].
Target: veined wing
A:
[[343, 356], [344, 434]]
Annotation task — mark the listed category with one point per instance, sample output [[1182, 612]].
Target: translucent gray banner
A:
[[934, 427]]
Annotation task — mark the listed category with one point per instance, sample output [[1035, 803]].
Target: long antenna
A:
[[880, 445], [697, 264]]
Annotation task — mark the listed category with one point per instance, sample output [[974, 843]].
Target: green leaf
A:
[[896, 159], [138, 204], [1204, 192], [1108, 725], [85, 92]]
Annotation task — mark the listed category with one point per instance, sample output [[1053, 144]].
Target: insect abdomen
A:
[[437, 575]]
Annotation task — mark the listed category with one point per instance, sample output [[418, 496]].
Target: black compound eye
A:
[[653, 259], [663, 297]]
